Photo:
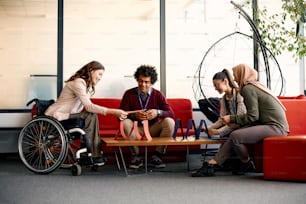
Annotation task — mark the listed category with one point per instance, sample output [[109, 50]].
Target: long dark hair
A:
[[84, 73], [225, 74]]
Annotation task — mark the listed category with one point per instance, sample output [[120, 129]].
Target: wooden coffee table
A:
[[156, 141]]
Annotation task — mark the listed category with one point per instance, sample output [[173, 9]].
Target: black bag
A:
[[210, 108], [40, 106]]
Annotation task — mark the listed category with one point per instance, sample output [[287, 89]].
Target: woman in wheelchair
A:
[[75, 97]]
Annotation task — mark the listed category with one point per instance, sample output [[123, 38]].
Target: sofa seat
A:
[[285, 158]]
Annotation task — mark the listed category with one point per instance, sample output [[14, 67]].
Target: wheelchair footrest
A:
[[85, 161]]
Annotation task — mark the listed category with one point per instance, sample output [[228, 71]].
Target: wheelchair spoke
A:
[[42, 145]]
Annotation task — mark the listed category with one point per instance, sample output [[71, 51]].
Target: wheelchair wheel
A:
[[76, 170], [42, 145]]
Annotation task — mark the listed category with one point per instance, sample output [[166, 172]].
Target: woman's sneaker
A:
[[205, 171], [136, 163], [99, 161], [247, 167]]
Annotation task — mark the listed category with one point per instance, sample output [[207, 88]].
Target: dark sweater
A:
[[262, 109], [157, 100]]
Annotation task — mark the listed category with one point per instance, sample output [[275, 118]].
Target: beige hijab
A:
[[246, 75]]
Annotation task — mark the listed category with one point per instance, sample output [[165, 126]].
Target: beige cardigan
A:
[[73, 99]]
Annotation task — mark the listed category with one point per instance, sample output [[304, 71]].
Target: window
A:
[[28, 34], [121, 35]]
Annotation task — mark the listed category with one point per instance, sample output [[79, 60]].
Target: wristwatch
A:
[[159, 112]]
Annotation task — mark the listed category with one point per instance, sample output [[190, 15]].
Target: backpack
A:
[[210, 108]]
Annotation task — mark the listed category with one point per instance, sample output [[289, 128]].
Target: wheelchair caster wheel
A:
[[94, 168], [76, 170]]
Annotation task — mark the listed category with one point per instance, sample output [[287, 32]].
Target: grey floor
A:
[[170, 185]]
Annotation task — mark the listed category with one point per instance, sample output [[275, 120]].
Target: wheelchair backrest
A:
[[40, 106]]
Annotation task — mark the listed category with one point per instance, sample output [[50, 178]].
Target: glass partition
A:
[[192, 28], [121, 35], [28, 50]]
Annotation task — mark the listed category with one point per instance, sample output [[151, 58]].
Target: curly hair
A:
[[85, 74], [147, 71]]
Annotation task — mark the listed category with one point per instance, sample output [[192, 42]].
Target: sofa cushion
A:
[[182, 109], [284, 158], [296, 112]]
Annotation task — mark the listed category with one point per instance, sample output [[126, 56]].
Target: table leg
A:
[[123, 162], [146, 159], [205, 152], [187, 158], [117, 161]]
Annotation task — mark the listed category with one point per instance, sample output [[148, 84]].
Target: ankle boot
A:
[[205, 171], [245, 167]]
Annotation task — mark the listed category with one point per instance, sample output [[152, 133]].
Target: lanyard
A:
[[141, 104]]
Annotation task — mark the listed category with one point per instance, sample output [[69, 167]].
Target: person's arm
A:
[[223, 111], [128, 103], [219, 127], [241, 109], [250, 98], [219, 123], [224, 130], [164, 108], [79, 87]]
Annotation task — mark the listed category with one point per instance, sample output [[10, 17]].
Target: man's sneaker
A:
[[136, 163], [157, 162]]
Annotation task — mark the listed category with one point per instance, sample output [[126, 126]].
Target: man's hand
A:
[[147, 114], [141, 115], [151, 114]]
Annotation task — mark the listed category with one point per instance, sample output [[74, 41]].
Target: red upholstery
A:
[[108, 124], [292, 97], [285, 157], [182, 109], [296, 113]]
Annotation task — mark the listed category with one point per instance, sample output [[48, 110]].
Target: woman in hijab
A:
[[265, 117]]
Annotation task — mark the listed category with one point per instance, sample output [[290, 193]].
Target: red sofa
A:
[[284, 158], [109, 125]]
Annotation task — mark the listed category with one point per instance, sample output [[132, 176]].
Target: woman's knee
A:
[[236, 136], [242, 136]]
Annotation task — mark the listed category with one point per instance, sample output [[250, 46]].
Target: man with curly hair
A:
[[153, 107]]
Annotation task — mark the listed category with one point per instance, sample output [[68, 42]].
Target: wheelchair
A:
[[45, 144]]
